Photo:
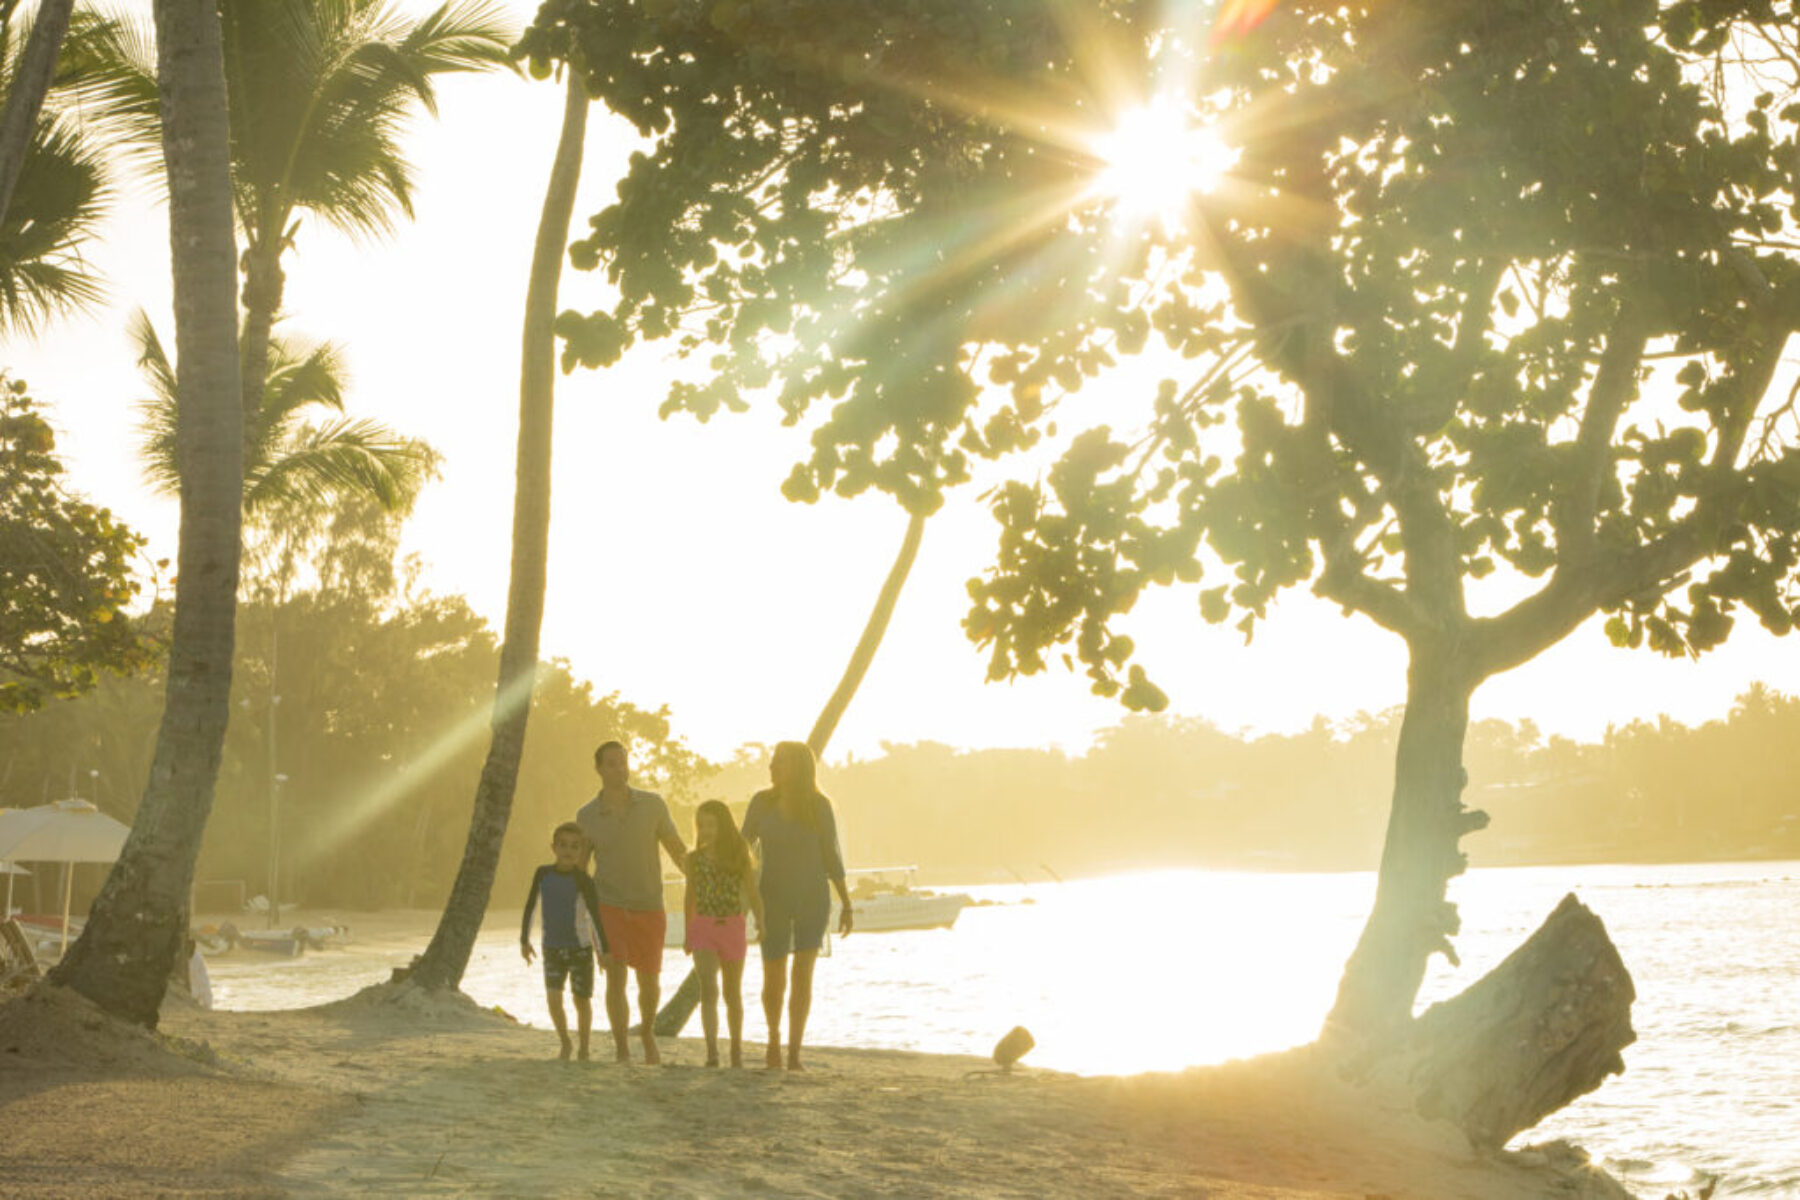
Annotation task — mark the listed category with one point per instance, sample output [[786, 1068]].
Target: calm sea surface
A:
[[1171, 969]]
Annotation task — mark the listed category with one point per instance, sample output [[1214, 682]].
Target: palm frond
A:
[[345, 457], [157, 413], [56, 206], [106, 81]]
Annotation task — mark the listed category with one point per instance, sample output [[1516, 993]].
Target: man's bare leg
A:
[[649, 990], [561, 1020], [774, 991], [800, 1005], [618, 1009], [734, 1008], [584, 1023]]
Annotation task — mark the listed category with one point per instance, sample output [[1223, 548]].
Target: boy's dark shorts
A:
[[573, 963]]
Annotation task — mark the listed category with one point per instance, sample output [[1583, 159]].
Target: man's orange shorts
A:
[[635, 938]]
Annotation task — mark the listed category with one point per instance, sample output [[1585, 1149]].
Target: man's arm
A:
[[671, 840]]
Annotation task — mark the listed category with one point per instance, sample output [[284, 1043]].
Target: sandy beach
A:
[[425, 1096]]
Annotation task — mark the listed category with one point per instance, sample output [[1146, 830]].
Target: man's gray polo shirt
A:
[[627, 850]]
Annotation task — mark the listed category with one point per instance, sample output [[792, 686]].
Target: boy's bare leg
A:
[[649, 993], [706, 962], [584, 1022], [618, 1009], [774, 991], [800, 1004], [734, 1008], [560, 1019]]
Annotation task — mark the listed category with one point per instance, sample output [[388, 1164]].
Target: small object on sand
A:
[[1011, 1048]]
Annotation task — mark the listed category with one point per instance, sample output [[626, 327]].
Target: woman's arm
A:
[[747, 887]]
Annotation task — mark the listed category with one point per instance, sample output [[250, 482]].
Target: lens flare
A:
[[1155, 161]]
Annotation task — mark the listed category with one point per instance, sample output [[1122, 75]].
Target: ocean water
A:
[[1164, 970]]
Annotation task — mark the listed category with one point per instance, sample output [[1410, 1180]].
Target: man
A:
[[624, 825]]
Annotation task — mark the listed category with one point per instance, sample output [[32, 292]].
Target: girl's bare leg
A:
[[774, 991], [734, 1007], [706, 962]]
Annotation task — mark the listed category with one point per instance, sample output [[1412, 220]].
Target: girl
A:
[[794, 822], [719, 876]]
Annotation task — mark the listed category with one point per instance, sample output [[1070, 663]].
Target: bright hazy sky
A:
[[678, 574]]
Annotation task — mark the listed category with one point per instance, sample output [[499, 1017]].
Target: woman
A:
[[793, 822]]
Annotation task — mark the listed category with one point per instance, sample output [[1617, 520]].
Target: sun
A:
[[1154, 161]]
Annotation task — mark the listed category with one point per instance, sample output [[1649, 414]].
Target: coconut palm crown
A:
[[320, 94], [289, 461]]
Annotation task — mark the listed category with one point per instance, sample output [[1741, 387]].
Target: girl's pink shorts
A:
[[722, 935]]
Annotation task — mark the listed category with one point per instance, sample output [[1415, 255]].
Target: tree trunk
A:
[[675, 1015], [873, 632], [264, 283], [25, 100], [139, 922], [448, 955], [1541, 1029], [1412, 919]]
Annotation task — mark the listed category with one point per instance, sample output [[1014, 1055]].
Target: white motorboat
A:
[[886, 901]]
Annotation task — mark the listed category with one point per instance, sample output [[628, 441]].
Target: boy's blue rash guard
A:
[[560, 890]]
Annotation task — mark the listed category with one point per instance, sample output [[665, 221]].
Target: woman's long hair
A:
[[729, 850], [794, 774]]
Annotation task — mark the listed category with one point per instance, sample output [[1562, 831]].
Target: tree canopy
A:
[[66, 578]]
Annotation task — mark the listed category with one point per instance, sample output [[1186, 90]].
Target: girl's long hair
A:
[[729, 849], [798, 791]]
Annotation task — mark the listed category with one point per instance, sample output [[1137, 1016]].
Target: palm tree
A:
[[289, 462], [320, 93], [447, 956], [138, 925], [53, 180]]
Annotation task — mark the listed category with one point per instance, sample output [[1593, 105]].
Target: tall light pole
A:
[[276, 779]]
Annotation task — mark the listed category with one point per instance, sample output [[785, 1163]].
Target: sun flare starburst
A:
[[1155, 161]]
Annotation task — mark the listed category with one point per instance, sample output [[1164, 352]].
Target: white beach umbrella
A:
[[65, 831]]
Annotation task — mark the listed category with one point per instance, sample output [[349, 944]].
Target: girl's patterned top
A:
[[717, 892]]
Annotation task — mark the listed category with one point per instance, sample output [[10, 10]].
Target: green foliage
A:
[[320, 93], [65, 571], [822, 237], [1435, 320], [381, 728], [291, 465]]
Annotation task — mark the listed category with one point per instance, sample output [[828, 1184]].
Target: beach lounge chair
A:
[[18, 961]]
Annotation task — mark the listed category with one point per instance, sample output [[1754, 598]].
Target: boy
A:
[[566, 953]]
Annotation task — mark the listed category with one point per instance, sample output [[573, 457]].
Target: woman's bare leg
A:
[[774, 991], [799, 1005]]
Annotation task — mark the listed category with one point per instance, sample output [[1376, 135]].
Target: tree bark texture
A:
[[1412, 918], [873, 632], [1538, 1031], [447, 956], [25, 99], [139, 922], [264, 284]]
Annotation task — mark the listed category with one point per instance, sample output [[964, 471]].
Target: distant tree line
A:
[[1166, 791], [381, 722]]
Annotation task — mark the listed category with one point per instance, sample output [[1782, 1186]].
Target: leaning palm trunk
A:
[[448, 955], [25, 100], [873, 632], [680, 1008], [138, 924]]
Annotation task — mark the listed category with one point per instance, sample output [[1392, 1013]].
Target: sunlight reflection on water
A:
[[1163, 970]]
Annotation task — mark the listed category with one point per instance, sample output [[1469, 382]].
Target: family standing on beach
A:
[[616, 914]]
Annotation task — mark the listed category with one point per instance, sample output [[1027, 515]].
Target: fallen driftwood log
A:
[[1541, 1029]]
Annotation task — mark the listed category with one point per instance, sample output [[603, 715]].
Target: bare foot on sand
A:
[[582, 1054], [652, 1056], [737, 1058], [793, 1063], [712, 1059], [772, 1059], [568, 1048]]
